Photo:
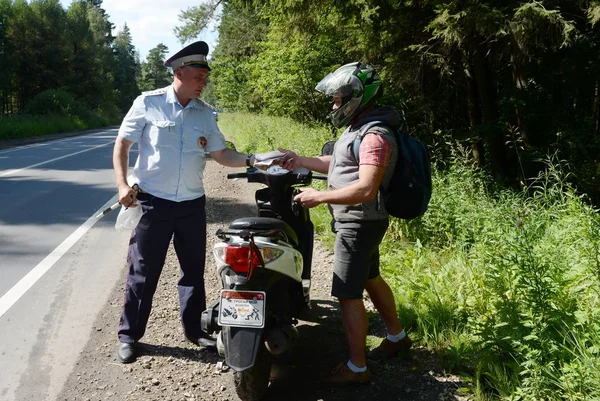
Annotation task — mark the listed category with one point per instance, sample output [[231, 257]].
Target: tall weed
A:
[[519, 277]]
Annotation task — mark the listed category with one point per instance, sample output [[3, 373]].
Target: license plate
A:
[[242, 308]]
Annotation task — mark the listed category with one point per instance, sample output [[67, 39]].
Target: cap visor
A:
[[199, 66]]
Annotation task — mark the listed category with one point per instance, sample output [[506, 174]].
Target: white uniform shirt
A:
[[171, 160]]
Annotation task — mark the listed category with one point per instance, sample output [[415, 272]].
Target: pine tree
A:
[[126, 68], [153, 72]]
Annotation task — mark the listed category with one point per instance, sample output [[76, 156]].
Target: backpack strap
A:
[[360, 135]]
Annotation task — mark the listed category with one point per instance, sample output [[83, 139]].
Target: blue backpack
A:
[[409, 190]]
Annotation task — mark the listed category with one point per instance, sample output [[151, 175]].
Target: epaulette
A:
[[200, 104], [155, 92], [203, 103]]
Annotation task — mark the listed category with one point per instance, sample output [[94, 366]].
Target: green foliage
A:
[[285, 73], [240, 32], [512, 80], [195, 19], [103, 77], [593, 12], [43, 47], [56, 111], [535, 28], [110, 112], [578, 379], [259, 66], [55, 102], [231, 92], [5, 65], [518, 272], [154, 74], [208, 94], [253, 133], [25, 126], [127, 69]]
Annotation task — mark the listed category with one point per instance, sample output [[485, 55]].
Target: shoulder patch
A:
[[155, 92]]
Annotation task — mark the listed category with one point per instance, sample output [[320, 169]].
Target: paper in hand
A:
[[267, 159]]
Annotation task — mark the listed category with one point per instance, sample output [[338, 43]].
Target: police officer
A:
[[173, 130]]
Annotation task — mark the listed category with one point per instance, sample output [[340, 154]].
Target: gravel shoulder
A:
[[169, 368]]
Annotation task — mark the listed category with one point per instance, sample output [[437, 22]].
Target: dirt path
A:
[[169, 368]]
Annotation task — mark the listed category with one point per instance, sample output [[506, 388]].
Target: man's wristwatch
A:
[[248, 160]]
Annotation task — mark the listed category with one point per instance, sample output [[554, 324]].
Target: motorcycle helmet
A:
[[357, 84]]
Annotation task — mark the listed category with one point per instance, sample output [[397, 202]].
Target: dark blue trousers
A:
[[162, 220]]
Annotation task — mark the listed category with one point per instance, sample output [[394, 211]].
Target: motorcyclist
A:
[[359, 216]]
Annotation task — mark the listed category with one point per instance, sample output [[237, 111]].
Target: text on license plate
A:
[[242, 308]]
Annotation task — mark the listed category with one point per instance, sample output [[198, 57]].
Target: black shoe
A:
[[205, 341], [126, 352]]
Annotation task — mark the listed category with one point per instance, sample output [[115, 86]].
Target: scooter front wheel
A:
[[251, 384]]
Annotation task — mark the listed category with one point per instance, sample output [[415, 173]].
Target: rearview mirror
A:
[[327, 149]]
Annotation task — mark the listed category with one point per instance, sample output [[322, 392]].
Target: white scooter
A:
[[264, 263]]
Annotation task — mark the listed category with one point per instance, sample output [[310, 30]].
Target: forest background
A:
[[501, 277]]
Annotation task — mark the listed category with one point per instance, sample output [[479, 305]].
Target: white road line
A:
[[46, 143], [19, 289], [9, 172]]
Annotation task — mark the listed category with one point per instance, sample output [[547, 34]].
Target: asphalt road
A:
[[57, 262]]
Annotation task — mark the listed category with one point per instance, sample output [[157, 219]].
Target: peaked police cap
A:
[[194, 55]]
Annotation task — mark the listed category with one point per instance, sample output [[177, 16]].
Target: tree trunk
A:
[[488, 97], [473, 109], [519, 81], [596, 110]]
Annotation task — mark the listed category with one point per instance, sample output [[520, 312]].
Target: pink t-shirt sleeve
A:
[[375, 151]]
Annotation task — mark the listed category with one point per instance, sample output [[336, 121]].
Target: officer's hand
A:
[[127, 196], [290, 160]]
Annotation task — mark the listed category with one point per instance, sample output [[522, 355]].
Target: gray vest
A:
[[343, 171]]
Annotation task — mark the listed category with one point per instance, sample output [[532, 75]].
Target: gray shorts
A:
[[356, 258]]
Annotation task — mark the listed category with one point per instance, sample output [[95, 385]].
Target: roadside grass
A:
[[254, 133], [504, 286], [25, 126]]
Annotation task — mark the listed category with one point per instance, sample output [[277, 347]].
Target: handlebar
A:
[[300, 176]]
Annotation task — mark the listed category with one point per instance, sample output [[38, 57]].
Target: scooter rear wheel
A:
[[251, 384]]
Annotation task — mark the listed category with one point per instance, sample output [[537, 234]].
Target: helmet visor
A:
[[337, 83]]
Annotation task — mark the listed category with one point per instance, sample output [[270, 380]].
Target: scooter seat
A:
[[265, 224]]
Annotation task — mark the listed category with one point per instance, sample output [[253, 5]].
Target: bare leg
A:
[[355, 324], [384, 302]]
